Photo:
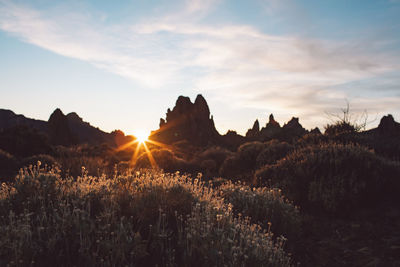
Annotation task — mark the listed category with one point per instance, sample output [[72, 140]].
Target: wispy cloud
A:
[[239, 63]]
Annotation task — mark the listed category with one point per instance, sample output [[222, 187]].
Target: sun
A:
[[141, 136]]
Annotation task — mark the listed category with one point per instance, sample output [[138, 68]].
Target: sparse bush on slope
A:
[[335, 177], [144, 219], [265, 206]]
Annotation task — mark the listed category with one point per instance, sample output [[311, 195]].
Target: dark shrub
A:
[[312, 139], [273, 151], [43, 158], [217, 154], [163, 159], [335, 177], [23, 141], [340, 127], [8, 166], [209, 168], [243, 162], [231, 168]]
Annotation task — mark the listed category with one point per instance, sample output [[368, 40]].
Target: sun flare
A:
[[141, 136]]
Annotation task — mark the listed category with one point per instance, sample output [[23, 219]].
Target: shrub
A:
[[24, 141], [312, 139], [335, 177], [217, 154], [273, 151], [215, 237], [8, 166], [340, 127], [43, 158], [265, 206], [143, 219], [209, 168], [163, 158], [243, 162]]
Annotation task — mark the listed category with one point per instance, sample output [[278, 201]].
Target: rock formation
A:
[[271, 130], [59, 130], [388, 126], [188, 121], [293, 128], [86, 133], [316, 130], [254, 131]]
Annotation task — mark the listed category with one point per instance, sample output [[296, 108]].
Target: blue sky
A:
[[121, 64]]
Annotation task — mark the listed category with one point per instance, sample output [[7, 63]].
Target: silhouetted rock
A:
[[120, 138], [188, 121], [59, 130], [86, 133], [232, 140], [271, 130], [388, 126], [316, 130], [9, 119], [253, 132], [294, 128], [272, 122]]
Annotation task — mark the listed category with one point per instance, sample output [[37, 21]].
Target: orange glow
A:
[[141, 143], [141, 136]]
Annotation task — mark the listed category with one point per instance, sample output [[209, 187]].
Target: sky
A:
[[122, 64]]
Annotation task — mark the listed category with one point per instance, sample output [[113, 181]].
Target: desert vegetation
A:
[[281, 196], [144, 218]]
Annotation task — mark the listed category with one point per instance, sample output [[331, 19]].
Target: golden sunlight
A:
[[141, 136]]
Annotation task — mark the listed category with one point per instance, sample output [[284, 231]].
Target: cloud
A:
[[239, 63]]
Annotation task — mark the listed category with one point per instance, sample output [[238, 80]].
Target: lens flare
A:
[[141, 136]]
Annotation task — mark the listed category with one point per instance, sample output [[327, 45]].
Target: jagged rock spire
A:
[[187, 121], [253, 132], [59, 130]]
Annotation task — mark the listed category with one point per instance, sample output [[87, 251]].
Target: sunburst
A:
[[141, 136], [141, 141]]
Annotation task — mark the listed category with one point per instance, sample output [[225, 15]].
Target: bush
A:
[[163, 158], [143, 219], [334, 177], [43, 158], [265, 206], [209, 168], [340, 127], [243, 162], [217, 154], [23, 141], [8, 166], [312, 139], [215, 237], [273, 151]]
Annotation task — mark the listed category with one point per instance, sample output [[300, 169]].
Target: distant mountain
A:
[[86, 133], [9, 119], [62, 129]]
